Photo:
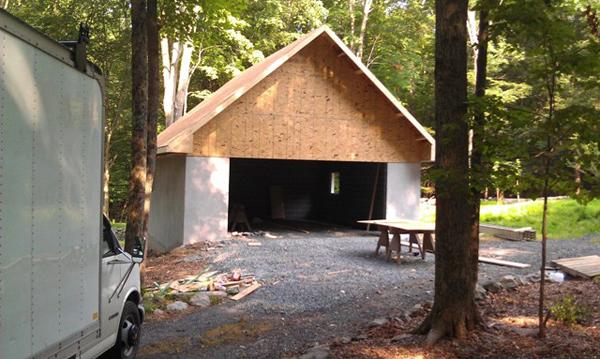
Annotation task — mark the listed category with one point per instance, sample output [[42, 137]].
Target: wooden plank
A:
[[246, 291], [501, 262], [585, 267]]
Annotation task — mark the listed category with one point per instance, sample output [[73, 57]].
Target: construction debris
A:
[[501, 262], [246, 291], [200, 288]]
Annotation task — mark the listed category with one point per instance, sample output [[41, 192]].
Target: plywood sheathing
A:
[[313, 107]]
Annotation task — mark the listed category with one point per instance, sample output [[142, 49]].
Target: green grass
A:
[[118, 225], [566, 217]]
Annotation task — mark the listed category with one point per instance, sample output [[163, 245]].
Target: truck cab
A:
[[67, 288]]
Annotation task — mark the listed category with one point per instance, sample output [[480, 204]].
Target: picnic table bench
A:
[[397, 227]]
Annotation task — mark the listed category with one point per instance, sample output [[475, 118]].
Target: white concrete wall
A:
[[206, 199], [165, 224], [403, 190]]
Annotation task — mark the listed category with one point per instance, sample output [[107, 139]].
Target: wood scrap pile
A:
[[234, 284]]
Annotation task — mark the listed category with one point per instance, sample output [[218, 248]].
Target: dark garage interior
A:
[[295, 190]]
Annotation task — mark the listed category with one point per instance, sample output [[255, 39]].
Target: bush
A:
[[568, 311]]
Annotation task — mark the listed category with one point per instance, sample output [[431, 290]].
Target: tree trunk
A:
[[184, 81], [363, 28], [542, 323], [551, 88], [351, 4], [477, 133], [139, 71], [171, 53], [577, 179], [153, 103], [454, 312]]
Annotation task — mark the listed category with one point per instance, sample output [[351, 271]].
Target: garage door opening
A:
[[296, 191]]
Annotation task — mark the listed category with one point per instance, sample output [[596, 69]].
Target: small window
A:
[[334, 183]]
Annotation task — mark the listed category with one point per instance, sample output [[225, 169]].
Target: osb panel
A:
[[314, 107]]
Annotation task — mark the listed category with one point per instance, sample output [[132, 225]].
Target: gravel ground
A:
[[317, 287]]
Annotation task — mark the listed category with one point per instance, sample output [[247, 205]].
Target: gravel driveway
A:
[[317, 287]]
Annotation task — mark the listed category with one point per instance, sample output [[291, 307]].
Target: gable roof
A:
[[239, 85]]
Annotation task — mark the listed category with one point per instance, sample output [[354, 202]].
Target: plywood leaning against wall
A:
[[316, 106]]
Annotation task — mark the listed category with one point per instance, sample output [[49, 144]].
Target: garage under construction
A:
[[307, 134]]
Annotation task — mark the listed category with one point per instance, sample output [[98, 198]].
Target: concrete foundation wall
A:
[[206, 199], [165, 226], [403, 190]]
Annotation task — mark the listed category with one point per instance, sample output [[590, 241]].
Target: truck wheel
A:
[[128, 338]]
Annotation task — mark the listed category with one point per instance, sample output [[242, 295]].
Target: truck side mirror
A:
[[137, 254]]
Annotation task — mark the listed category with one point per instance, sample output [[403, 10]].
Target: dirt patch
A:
[[512, 318], [173, 345], [235, 332], [179, 263]]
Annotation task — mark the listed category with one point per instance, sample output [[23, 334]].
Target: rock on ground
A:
[[318, 352], [379, 322], [509, 282], [201, 299], [177, 306]]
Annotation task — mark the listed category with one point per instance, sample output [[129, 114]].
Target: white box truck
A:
[[67, 289]]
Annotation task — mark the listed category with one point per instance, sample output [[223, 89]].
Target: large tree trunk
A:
[[477, 133], [177, 73], [454, 312], [363, 28], [139, 71], [153, 103]]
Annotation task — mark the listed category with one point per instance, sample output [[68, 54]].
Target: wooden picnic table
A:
[[397, 227]]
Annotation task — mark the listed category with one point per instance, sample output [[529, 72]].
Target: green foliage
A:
[[532, 42], [568, 311], [566, 218]]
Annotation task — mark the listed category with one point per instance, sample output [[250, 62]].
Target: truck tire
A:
[[128, 337]]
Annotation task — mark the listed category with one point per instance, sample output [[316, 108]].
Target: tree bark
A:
[[454, 312], [477, 137], [139, 71], [363, 28], [153, 103]]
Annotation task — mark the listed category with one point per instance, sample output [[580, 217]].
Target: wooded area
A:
[[510, 90]]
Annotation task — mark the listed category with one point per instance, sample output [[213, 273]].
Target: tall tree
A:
[[363, 28], [153, 103], [559, 52], [137, 180], [454, 312], [477, 141]]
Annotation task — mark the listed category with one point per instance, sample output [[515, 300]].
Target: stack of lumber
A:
[[513, 234]]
